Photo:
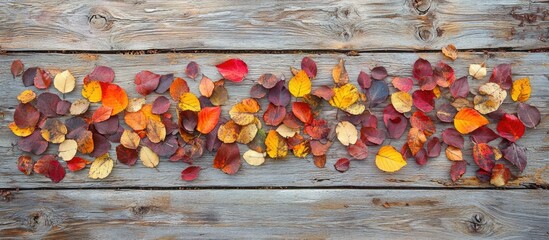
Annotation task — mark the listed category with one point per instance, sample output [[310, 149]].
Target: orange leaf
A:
[[468, 120], [207, 119], [136, 120], [115, 97], [227, 158], [101, 114], [178, 87]]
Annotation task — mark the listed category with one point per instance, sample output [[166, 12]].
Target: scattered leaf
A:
[[346, 133], [276, 145], [501, 74], [233, 70], [484, 156], [243, 112], [192, 70], [452, 137], [146, 82], [54, 131], [303, 112], [42, 79], [454, 153], [26, 96], [450, 51], [77, 164], [48, 166], [402, 84], [156, 131], [92, 91], [529, 115], [339, 73], [402, 101], [378, 73], [190, 173], [254, 158], [377, 93], [227, 158], [433, 147], [468, 120], [364, 80], [126, 155], [17, 68], [344, 96], [207, 119], [342, 165], [457, 170], [148, 157], [101, 167], [500, 175], [189, 101], [424, 100], [521, 90], [358, 150], [25, 163], [101, 114], [510, 127], [388, 159], [309, 66], [26, 116], [490, 97], [101, 74], [179, 87], [114, 97], [67, 149], [135, 104], [515, 155], [477, 71], [300, 84], [33, 143]]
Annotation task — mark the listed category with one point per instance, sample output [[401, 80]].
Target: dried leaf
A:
[[510, 127], [279, 95], [26, 116], [358, 150], [101, 74], [42, 79], [228, 132], [388, 159], [21, 132], [339, 73], [342, 165], [101, 114], [274, 115], [206, 86], [344, 96], [67, 149], [227, 158], [48, 166], [521, 90], [17, 68], [54, 131], [101, 167], [243, 112], [457, 170], [529, 115], [64, 82], [460, 88], [477, 71], [500, 175], [33, 143], [416, 139], [490, 98], [276, 145], [146, 82], [454, 153], [501, 74], [92, 91], [300, 84], [164, 83], [484, 156], [254, 158], [130, 139], [156, 131], [450, 51], [26, 96], [190, 173], [179, 87], [402, 84], [309, 66], [192, 70], [247, 133], [364, 80], [468, 120], [207, 119], [148, 157], [346, 133], [25, 164]]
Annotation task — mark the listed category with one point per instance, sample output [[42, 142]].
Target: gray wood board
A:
[[286, 214], [274, 173], [272, 25]]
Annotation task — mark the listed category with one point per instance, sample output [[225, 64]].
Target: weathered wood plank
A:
[[272, 25], [287, 214], [290, 172]]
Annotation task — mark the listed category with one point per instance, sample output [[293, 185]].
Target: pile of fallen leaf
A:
[[292, 122]]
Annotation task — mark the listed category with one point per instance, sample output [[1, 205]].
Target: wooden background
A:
[[281, 199]]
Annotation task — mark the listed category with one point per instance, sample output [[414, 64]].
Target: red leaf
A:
[[364, 80], [483, 156], [421, 157], [126, 156], [422, 69], [274, 115], [378, 73], [258, 91], [48, 166], [303, 112], [359, 150], [342, 165], [47, 104], [26, 115], [233, 70], [324, 92], [515, 155], [227, 158], [444, 74], [483, 176], [160, 105], [291, 121], [529, 115], [460, 88], [510, 127], [77, 164], [25, 164], [403, 84], [372, 136], [34, 143], [452, 137], [146, 82], [483, 135], [192, 69], [42, 79], [318, 129], [101, 114], [457, 170], [318, 148], [395, 122], [501, 74], [423, 122], [101, 74], [279, 95], [309, 66], [433, 147], [424, 100], [446, 113], [190, 173], [17, 68]]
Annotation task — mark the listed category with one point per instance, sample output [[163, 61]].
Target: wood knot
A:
[[41, 220], [425, 33], [421, 6], [100, 19], [477, 223], [139, 211]]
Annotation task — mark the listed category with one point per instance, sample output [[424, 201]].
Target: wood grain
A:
[[272, 25], [292, 171], [281, 214]]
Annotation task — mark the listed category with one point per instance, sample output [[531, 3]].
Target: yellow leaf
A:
[[454, 153], [148, 157], [101, 167], [188, 101], [346, 133], [300, 84], [147, 112], [156, 131], [130, 139], [478, 71], [388, 159], [276, 145], [242, 113], [254, 158], [64, 82], [92, 91], [344, 96], [302, 149], [402, 101], [21, 132], [67, 149], [356, 109], [26, 96], [247, 133], [521, 90]]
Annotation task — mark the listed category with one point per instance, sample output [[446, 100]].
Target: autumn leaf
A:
[[500, 175], [233, 70], [160, 105], [101, 167], [416, 139], [276, 145], [247, 133], [484, 156], [177, 88], [388, 159], [450, 51], [377, 93], [457, 170], [48, 166], [424, 100], [64, 82], [521, 90], [25, 164], [100, 73], [477, 71], [42, 79], [274, 115], [342, 165], [156, 131], [515, 155], [26, 116], [148, 157], [227, 158], [300, 84], [303, 112], [402, 101], [309, 66], [243, 112], [21, 132], [31, 142], [77, 164], [529, 115], [130, 139], [501, 74], [188, 101], [344, 96], [146, 82], [207, 119], [346, 133], [510, 127], [115, 97], [126, 155], [339, 73], [26, 96], [452, 137], [228, 132], [92, 91], [67, 149], [490, 98], [136, 120], [190, 173], [468, 120], [135, 104], [192, 69], [101, 114], [79, 107], [17, 68], [54, 131], [254, 158], [206, 86], [454, 153]]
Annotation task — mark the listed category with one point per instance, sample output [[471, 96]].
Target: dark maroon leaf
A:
[[457, 170], [192, 70], [26, 115], [274, 115], [75, 123], [212, 141], [47, 104], [446, 113], [427, 83], [501, 74], [424, 100], [421, 157], [17, 68], [496, 115], [359, 150], [483, 176], [115, 137], [146, 82], [395, 122], [452, 137], [364, 81], [377, 93], [28, 76], [101, 74], [258, 91], [164, 148], [160, 105], [34, 143], [372, 136], [309, 66], [107, 127], [164, 83], [515, 155], [342, 165], [188, 120], [101, 145], [433, 147], [406, 152], [529, 115], [483, 135], [279, 95], [126, 156], [460, 88], [443, 74], [48, 166], [190, 173], [205, 102], [422, 69], [484, 156], [378, 73], [63, 107]]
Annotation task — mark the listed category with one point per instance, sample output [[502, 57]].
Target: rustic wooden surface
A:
[[281, 199], [273, 25]]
